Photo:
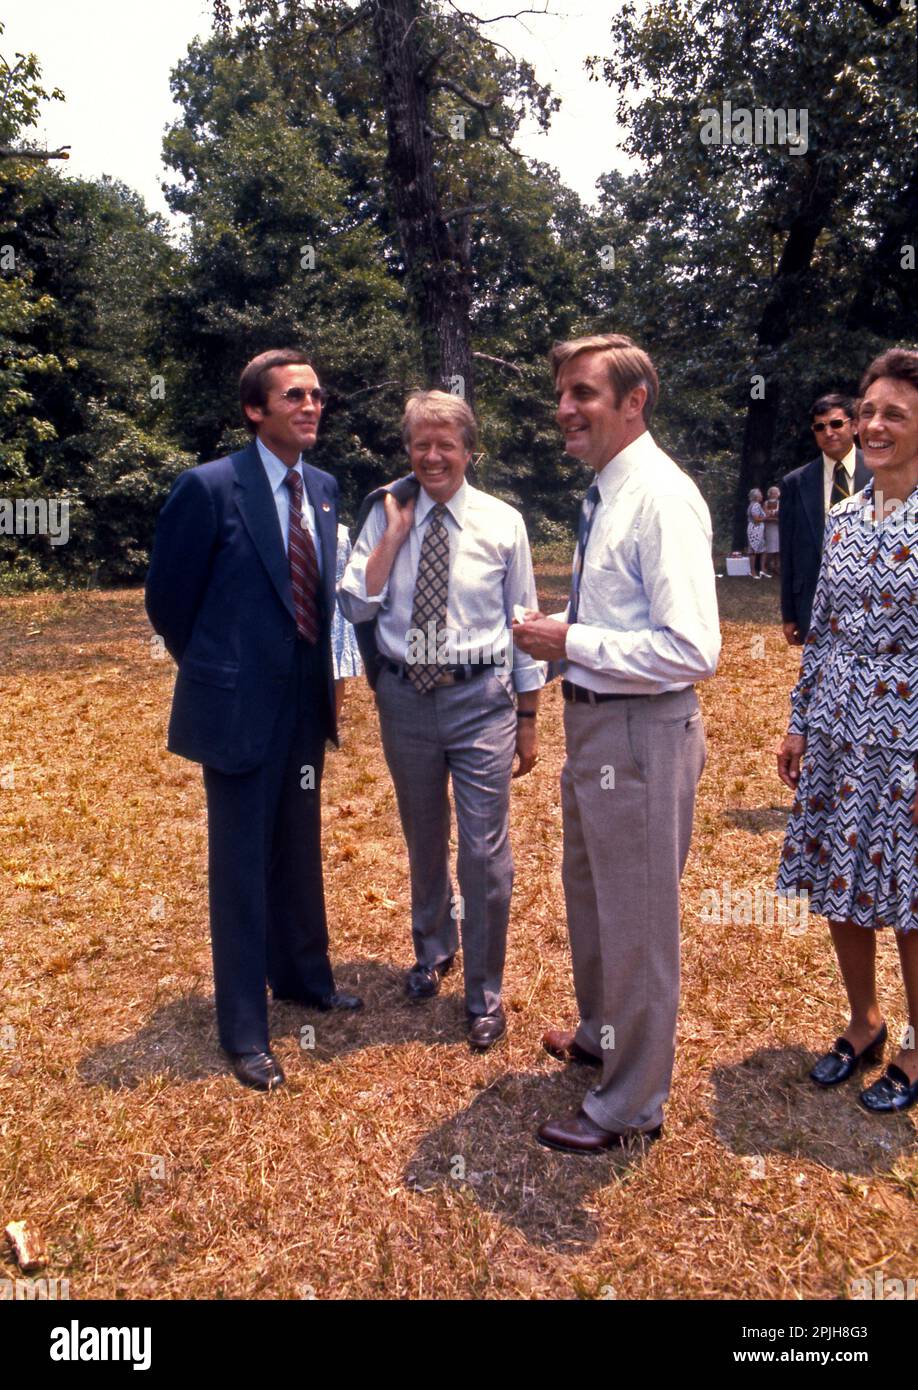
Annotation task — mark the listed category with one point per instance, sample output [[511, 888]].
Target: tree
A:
[[283, 145], [793, 249]]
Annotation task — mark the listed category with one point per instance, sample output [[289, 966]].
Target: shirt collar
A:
[[848, 461], [456, 505], [275, 468], [616, 472]]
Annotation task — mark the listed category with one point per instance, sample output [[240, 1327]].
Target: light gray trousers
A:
[[628, 797], [468, 732]]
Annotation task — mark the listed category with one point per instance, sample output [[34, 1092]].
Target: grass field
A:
[[395, 1163]]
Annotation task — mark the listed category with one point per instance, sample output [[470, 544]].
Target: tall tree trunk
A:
[[438, 270], [774, 328]]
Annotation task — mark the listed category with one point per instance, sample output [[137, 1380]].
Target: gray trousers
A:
[[628, 796], [465, 731]]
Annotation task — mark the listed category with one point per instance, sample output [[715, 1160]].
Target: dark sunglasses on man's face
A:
[[296, 395], [831, 424]]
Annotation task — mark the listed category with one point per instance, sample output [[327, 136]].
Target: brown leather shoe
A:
[[578, 1134], [561, 1044]]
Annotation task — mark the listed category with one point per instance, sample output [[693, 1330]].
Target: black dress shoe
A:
[[423, 981], [260, 1070], [841, 1060], [325, 1003], [486, 1029], [892, 1091]]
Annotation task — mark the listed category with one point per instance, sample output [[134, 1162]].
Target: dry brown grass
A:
[[152, 1174]]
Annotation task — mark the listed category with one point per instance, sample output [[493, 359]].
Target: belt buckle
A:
[[445, 678]]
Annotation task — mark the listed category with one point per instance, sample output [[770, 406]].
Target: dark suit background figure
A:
[[254, 703], [802, 523]]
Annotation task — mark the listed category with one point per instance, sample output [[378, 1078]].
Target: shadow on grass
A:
[[759, 820], [180, 1038], [766, 1104], [488, 1153]]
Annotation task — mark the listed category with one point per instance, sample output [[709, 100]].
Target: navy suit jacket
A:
[[802, 520], [218, 592]]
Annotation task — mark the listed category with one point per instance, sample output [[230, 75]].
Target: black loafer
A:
[[423, 981], [841, 1060], [325, 1003], [892, 1091], [260, 1070], [339, 1001], [486, 1029]]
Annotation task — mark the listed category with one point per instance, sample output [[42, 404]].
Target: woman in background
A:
[[851, 750], [755, 533], [771, 507]]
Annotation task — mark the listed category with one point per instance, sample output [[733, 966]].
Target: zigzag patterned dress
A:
[[850, 842]]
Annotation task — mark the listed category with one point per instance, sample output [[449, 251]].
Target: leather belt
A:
[[446, 675], [579, 695]]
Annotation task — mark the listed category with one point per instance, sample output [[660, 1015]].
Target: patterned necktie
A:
[[304, 567], [587, 512], [839, 484], [431, 590]]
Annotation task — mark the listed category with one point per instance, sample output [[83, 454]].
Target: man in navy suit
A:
[[806, 495], [242, 589]]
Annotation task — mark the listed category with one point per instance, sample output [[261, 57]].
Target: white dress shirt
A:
[[828, 475], [647, 621], [276, 470], [490, 570]]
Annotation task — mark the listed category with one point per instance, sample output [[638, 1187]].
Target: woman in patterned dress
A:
[[755, 533], [851, 750]]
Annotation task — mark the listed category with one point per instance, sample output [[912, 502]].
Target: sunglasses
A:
[[830, 425], [296, 395]]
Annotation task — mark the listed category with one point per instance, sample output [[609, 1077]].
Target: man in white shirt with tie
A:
[[640, 629], [441, 576]]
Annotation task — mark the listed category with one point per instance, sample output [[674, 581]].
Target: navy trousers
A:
[[267, 904]]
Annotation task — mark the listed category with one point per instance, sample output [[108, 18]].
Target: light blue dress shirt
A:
[[276, 471]]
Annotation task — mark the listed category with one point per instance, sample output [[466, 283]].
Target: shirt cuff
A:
[[583, 645], [529, 677]]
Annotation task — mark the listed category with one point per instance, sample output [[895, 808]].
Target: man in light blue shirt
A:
[[441, 576], [640, 629]]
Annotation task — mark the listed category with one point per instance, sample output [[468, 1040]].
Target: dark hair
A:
[[253, 383], [823, 404], [899, 363]]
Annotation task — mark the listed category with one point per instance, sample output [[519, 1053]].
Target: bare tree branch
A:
[[468, 210], [361, 13], [443, 84], [365, 390], [7, 152], [501, 362]]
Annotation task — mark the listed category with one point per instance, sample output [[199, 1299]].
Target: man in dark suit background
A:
[[242, 589], [806, 495]]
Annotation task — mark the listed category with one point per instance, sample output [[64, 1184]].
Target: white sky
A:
[[112, 60]]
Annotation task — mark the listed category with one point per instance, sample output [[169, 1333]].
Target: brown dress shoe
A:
[[578, 1134], [561, 1044]]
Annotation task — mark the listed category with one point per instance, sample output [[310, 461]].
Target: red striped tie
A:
[[304, 567]]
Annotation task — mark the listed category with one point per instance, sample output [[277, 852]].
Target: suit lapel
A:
[[323, 507], [862, 473], [259, 514], [814, 502]]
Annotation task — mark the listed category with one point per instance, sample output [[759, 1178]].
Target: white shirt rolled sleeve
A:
[[647, 618], [490, 572]]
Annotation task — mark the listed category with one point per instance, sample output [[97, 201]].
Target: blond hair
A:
[[442, 409], [628, 365]]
